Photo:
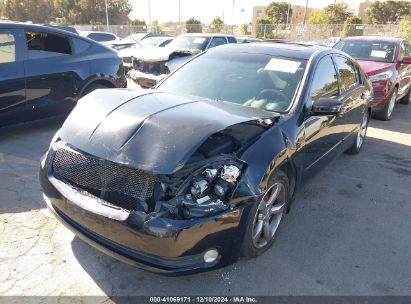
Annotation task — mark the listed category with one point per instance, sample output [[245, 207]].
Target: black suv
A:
[[45, 70]]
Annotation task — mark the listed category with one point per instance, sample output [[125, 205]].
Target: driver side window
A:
[[325, 81]]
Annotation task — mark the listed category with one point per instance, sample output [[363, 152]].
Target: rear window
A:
[[43, 45], [368, 50], [101, 37]]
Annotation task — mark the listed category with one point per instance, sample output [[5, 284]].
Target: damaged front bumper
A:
[[146, 80], [157, 244]]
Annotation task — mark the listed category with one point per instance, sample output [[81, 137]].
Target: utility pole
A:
[[108, 25], [288, 15], [305, 12], [233, 17], [149, 16], [179, 13]]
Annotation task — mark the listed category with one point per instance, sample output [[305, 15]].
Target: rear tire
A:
[[266, 216], [406, 99], [92, 87], [386, 112], [362, 132]]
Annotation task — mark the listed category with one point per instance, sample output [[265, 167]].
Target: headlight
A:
[[381, 76], [209, 190]]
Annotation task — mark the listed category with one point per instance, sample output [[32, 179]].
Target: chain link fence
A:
[[268, 31]]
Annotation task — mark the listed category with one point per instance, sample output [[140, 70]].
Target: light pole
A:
[[288, 14], [149, 15], [305, 12], [108, 25]]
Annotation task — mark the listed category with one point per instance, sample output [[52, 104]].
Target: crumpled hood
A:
[[150, 130], [374, 67], [155, 54]]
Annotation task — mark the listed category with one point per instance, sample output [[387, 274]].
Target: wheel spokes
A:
[[258, 229], [277, 208], [268, 233]]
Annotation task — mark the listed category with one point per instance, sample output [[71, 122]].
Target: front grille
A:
[[155, 68], [120, 185]]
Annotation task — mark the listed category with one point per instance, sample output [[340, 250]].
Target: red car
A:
[[387, 62]]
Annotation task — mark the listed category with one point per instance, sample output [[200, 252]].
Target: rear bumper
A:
[[162, 245]]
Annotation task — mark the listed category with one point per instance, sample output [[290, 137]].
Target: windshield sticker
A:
[[199, 40], [379, 54], [281, 65]]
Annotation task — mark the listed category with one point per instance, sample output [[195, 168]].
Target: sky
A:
[[206, 10]]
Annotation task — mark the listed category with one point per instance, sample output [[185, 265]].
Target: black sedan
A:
[[189, 176], [45, 70]]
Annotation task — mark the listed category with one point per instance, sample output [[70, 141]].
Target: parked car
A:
[[126, 49], [152, 65], [160, 41], [191, 175], [330, 42], [248, 39], [44, 71], [105, 38], [387, 62], [138, 37]]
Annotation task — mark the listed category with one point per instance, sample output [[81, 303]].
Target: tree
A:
[[244, 29], [73, 11], [404, 28], [155, 27], [263, 28], [194, 26], [277, 12], [2, 6], [318, 17], [137, 22], [336, 13], [38, 11], [350, 27], [216, 26], [388, 11]]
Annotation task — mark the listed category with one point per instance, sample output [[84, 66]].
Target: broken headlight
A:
[[209, 191]]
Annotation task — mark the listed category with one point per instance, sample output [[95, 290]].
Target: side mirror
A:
[[326, 106], [406, 59]]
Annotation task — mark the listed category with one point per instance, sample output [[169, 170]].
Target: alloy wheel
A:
[[391, 103], [363, 131], [269, 215]]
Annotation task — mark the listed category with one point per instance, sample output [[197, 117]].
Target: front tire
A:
[[266, 216], [386, 112]]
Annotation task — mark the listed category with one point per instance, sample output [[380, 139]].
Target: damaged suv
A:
[[150, 65], [192, 175]]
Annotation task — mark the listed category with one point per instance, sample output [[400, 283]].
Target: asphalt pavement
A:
[[348, 232]]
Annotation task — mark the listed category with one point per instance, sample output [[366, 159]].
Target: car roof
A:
[[284, 49], [374, 38], [95, 32], [34, 27]]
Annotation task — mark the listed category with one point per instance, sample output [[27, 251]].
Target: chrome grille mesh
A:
[[101, 175]]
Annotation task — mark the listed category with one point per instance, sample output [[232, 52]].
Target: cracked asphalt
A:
[[348, 232]]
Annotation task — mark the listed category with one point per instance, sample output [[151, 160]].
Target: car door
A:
[[52, 79], [321, 132], [12, 77], [352, 95], [404, 70]]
